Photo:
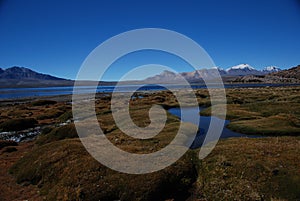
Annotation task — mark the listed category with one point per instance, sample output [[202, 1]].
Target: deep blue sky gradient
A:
[[54, 37]]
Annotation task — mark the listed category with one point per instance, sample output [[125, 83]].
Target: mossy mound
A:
[[261, 111], [55, 134], [50, 114], [65, 116], [276, 125], [17, 124], [65, 171]]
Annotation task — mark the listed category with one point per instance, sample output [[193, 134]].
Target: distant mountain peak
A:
[[22, 73], [24, 77], [167, 72], [217, 68], [271, 69], [241, 67]]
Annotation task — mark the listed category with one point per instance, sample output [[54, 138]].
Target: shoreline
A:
[[25, 98]]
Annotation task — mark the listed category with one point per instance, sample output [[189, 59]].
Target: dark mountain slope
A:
[[20, 73], [24, 77]]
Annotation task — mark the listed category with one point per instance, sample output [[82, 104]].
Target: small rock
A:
[[275, 172]]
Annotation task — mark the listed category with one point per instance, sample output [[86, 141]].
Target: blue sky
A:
[[54, 37]]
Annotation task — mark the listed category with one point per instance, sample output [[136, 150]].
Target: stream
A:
[[204, 125]]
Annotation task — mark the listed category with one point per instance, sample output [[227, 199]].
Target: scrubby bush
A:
[[43, 102], [5, 143], [17, 124], [9, 149]]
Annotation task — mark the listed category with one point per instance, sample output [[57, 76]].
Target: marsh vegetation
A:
[[60, 168]]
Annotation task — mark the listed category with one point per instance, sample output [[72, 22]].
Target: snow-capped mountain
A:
[[271, 69], [243, 69], [212, 73]]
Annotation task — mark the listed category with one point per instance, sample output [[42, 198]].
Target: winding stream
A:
[[204, 125]]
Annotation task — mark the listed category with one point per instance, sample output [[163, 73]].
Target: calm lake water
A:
[[190, 117], [17, 93]]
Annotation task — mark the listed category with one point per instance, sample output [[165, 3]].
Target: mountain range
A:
[[246, 69], [212, 73], [291, 75], [17, 77], [25, 77]]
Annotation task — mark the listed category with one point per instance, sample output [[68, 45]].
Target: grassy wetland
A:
[[55, 165]]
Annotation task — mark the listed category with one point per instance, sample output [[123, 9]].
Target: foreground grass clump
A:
[[263, 169], [17, 124], [65, 171]]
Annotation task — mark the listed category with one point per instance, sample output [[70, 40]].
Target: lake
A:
[[18, 93]]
